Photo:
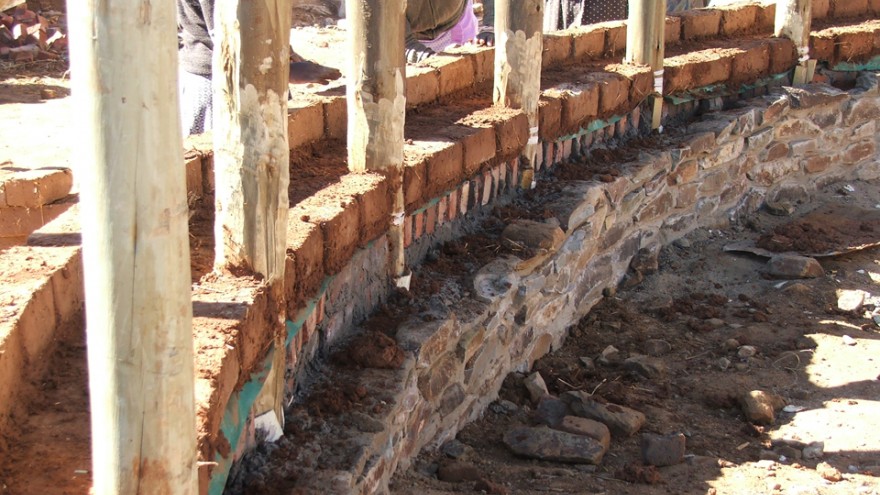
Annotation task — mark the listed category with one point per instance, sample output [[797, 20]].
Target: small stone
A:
[[850, 300], [774, 485], [456, 472], [552, 445], [731, 345], [746, 351], [589, 364], [610, 356], [815, 450], [485, 486], [551, 411], [780, 208], [682, 243], [453, 449], [657, 347], [645, 366], [805, 343], [621, 420], [760, 407], [790, 266], [715, 322], [586, 427], [663, 450], [723, 364], [847, 340], [828, 472], [789, 452], [797, 289], [503, 407], [741, 366], [536, 387]]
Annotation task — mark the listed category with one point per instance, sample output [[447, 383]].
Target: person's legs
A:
[[465, 30], [195, 103]]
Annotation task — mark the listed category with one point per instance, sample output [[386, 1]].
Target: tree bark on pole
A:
[[645, 45], [793, 21], [377, 103], [251, 152], [518, 48], [135, 246]]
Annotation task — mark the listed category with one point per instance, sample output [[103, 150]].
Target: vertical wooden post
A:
[[645, 45], [377, 103], [793, 21], [135, 246], [251, 153], [518, 49]]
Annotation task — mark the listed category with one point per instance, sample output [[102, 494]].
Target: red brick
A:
[[783, 55], [430, 219], [422, 85], [511, 135], [588, 42], [305, 122], [371, 191], [192, 165], [557, 49], [641, 82], [456, 72], [442, 206], [549, 116], [479, 148], [444, 166], [676, 75], [452, 210], [765, 18], [821, 9], [712, 69], [672, 30], [418, 225], [738, 19], [335, 117], [816, 164], [37, 187], [304, 266], [615, 38], [483, 59], [414, 178], [17, 221], [822, 47], [751, 63], [874, 6], [854, 45], [579, 105], [701, 23], [338, 214], [848, 8], [613, 92]]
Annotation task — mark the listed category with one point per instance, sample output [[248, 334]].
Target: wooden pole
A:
[[135, 246], [377, 104], [251, 153], [793, 21], [518, 48], [645, 45]]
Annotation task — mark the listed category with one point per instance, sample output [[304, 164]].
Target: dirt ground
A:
[[710, 309]]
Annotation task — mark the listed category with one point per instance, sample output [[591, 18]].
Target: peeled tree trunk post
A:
[[518, 47], [377, 105], [645, 45], [794, 20], [135, 246], [251, 153]]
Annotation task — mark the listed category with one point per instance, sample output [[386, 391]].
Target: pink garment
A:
[[464, 30]]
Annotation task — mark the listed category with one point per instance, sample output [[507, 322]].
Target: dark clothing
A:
[[562, 14], [427, 19], [195, 21]]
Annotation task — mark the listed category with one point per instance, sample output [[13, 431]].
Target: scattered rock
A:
[[815, 450], [636, 473], [797, 289], [621, 420], [376, 350], [645, 366], [543, 443], [828, 472], [847, 340], [503, 407], [789, 452], [456, 472], [453, 449], [682, 243], [731, 345], [610, 356], [746, 351], [551, 411], [760, 407], [663, 450], [715, 322], [586, 427], [486, 486], [536, 387], [741, 366], [589, 364], [851, 300], [723, 364], [789, 266], [780, 209], [657, 347]]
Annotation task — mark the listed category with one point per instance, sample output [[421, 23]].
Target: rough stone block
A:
[[663, 450], [305, 122], [816, 164], [552, 445], [858, 152], [557, 49], [586, 427], [620, 420], [684, 173], [702, 23]]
